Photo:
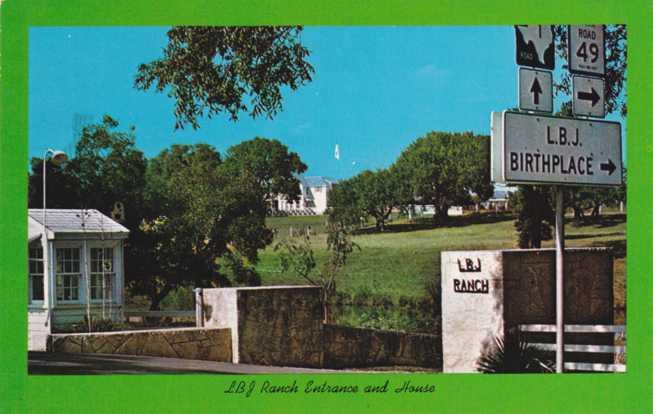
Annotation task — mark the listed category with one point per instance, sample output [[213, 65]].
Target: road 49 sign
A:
[[586, 50], [541, 149]]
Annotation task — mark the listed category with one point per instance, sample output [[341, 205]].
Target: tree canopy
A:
[[207, 220], [211, 70], [445, 169], [370, 193], [266, 167]]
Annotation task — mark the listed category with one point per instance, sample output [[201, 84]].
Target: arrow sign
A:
[[589, 96], [536, 90], [608, 166]]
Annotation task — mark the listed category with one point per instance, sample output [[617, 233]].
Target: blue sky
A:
[[374, 91]]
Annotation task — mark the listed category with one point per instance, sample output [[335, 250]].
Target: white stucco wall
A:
[[470, 320]]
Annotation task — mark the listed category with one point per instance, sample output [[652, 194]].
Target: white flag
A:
[[336, 154]]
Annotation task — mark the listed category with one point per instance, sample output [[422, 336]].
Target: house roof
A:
[[316, 181], [73, 221]]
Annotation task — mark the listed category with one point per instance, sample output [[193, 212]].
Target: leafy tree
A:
[[616, 63], [445, 169], [266, 167], [370, 193], [208, 214], [211, 70], [110, 169], [297, 256], [534, 215], [106, 168], [182, 238], [343, 204], [377, 194], [62, 187]]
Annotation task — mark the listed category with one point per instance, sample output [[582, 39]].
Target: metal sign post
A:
[[560, 264]]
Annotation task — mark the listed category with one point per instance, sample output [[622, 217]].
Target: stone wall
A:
[[276, 325], [185, 343], [347, 347], [529, 282]]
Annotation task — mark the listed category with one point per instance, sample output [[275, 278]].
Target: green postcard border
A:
[[630, 392]]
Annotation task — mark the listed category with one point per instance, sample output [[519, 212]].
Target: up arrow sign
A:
[[536, 90]]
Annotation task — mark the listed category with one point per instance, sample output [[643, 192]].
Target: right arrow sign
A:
[[608, 166], [588, 96]]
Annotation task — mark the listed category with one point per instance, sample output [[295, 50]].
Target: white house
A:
[[76, 269], [312, 200]]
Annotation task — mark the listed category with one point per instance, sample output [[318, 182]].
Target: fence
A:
[[142, 315], [618, 333]]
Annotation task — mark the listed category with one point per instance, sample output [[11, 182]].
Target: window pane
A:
[[37, 287]]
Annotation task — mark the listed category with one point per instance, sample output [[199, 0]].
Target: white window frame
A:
[[112, 275], [31, 275], [80, 280]]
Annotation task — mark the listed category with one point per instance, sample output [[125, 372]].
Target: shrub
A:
[[512, 354]]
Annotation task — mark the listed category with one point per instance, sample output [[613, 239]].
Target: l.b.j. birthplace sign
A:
[[530, 148]]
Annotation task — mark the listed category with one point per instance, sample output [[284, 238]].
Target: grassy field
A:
[[400, 263]]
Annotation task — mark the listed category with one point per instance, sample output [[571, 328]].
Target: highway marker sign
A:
[[588, 96], [535, 46], [535, 90], [586, 50], [543, 149]]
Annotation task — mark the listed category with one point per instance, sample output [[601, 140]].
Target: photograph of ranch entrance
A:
[[327, 199]]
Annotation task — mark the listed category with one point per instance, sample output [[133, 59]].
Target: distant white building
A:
[[75, 267], [313, 199], [500, 200]]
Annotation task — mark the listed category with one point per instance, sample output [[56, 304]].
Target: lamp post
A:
[[57, 157]]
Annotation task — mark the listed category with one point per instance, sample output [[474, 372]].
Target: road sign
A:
[[586, 50], [588, 96], [535, 46], [543, 149], [535, 90]]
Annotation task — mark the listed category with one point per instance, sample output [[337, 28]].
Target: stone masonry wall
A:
[[280, 326], [347, 347], [185, 343], [529, 285], [275, 325]]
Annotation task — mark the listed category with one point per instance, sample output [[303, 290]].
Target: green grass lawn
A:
[[404, 260]]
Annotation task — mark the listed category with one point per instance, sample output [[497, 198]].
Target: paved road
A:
[[61, 363]]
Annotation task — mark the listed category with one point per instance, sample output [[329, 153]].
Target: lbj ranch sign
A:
[[484, 293]]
